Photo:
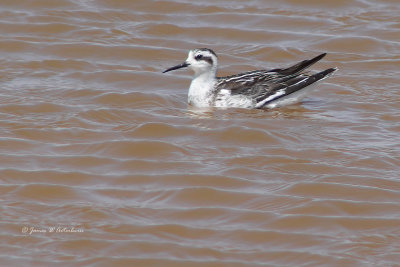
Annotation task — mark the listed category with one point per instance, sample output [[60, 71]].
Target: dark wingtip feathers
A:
[[300, 66]]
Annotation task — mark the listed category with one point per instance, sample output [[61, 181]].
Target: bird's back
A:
[[259, 88]]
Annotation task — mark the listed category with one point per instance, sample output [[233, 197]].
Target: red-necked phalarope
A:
[[253, 89]]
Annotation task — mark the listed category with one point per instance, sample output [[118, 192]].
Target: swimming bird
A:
[[253, 89]]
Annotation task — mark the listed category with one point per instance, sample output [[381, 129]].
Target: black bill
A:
[[183, 65]]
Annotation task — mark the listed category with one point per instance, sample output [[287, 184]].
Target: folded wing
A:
[[265, 86]]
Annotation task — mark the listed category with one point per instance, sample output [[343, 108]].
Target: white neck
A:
[[201, 89]]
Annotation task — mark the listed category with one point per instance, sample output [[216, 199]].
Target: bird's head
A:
[[200, 60]]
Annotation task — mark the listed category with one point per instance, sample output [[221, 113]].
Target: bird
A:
[[257, 89]]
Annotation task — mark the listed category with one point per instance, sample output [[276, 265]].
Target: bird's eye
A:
[[198, 57]]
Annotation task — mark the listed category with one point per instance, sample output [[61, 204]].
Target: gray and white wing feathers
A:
[[265, 86]]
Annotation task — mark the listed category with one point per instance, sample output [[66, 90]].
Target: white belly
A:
[[224, 99]]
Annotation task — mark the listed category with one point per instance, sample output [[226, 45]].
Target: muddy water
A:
[[103, 164]]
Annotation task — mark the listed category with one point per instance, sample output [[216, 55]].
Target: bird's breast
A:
[[201, 93]]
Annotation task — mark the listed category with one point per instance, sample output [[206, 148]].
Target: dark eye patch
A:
[[201, 57], [208, 60]]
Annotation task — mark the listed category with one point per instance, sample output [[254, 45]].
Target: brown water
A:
[[103, 164]]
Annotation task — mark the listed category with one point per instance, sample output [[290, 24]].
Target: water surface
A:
[[102, 162]]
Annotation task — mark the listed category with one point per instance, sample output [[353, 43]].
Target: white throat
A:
[[201, 91]]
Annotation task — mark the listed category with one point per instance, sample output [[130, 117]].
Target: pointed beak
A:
[[183, 65]]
